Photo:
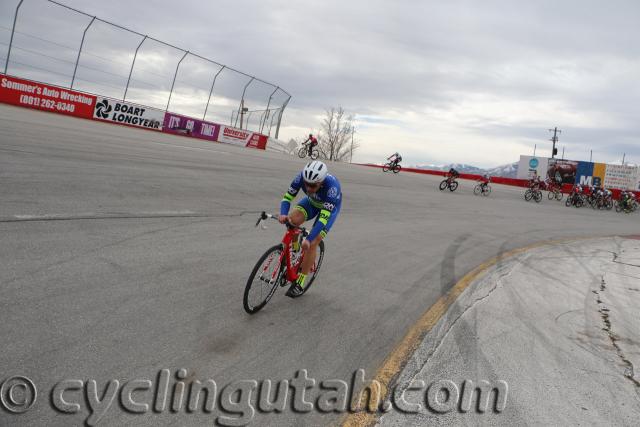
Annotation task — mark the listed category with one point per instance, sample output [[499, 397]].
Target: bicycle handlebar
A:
[[264, 216]]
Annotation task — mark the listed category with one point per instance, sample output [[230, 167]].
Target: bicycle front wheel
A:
[[453, 186], [263, 281], [302, 153], [528, 195], [477, 189], [397, 168], [443, 185], [487, 190]]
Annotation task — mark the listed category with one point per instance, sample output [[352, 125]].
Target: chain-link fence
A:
[[49, 42]]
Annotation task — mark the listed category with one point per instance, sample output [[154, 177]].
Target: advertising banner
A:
[[182, 125], [636, 181], [585, 173], [124, 113], [40, 96], [599, 170], [562, 171], [620, 176], [529, 166], [245, 138]]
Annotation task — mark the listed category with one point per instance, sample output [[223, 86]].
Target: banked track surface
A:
[[125, 252]]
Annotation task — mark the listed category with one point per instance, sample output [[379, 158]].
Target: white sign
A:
[[620, 176], [128, 114], [529, 165]]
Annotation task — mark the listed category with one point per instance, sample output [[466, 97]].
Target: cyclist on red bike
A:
[[312, 142], [323, 200], [534, 182]]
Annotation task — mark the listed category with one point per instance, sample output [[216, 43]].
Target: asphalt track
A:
[[125, 252]]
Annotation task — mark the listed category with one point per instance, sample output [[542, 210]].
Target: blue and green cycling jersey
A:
[[325, 203]]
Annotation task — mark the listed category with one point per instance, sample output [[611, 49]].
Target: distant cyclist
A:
[[323, 200], [484, 181], [452, 174], [313, 141], [534, 182], [395, 159]]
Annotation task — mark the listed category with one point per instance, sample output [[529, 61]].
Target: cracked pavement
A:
[[559, 324]]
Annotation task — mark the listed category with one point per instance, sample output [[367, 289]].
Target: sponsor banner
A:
[[636, 182], [124, 113], [599, 170], [530, 166], [585, 173], [562, 171], [620, 176], [245, 138], [175, 123], [39, 96]]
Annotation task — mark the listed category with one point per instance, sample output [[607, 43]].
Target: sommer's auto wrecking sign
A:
[[245, 138], [39, 96], [123, 113]]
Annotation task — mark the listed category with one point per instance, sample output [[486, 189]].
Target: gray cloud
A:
[[494, 73]]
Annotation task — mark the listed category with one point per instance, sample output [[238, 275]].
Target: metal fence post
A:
[[280, 116], [211, 91], [242, 100], [174, 78], [75, 70], [135, 55], [15, 19], [248, 118], [268, 104], [271, 122]]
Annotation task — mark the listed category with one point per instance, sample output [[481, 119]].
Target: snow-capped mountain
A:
[[507, 171]]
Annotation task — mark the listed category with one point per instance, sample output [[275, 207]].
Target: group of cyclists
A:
[[596, 196]]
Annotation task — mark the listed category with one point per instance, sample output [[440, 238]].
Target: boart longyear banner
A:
[[183, 125], [245, 138], [39, 96], [124, 113]]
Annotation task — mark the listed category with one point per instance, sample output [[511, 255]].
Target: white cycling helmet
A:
[[314, 172]]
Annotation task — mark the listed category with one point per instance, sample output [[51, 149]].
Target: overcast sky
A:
[[476, 82]]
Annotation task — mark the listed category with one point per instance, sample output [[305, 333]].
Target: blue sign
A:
[[533, 163]]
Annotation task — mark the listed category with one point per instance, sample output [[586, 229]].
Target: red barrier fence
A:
[[41, 96]]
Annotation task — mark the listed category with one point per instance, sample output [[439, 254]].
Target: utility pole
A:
[[534, 149], [562, 153], [590, 156], [555, 131], [623, 156]]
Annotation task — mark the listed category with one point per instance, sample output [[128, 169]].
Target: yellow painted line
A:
[[394, 363]]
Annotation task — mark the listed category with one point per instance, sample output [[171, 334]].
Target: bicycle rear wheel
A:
[[385, 168], [487, 190], [263, 280], [397, 168], [551, 195], [537, 196], [559, 195], [528, 195], [477, 189], [443, 185]]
